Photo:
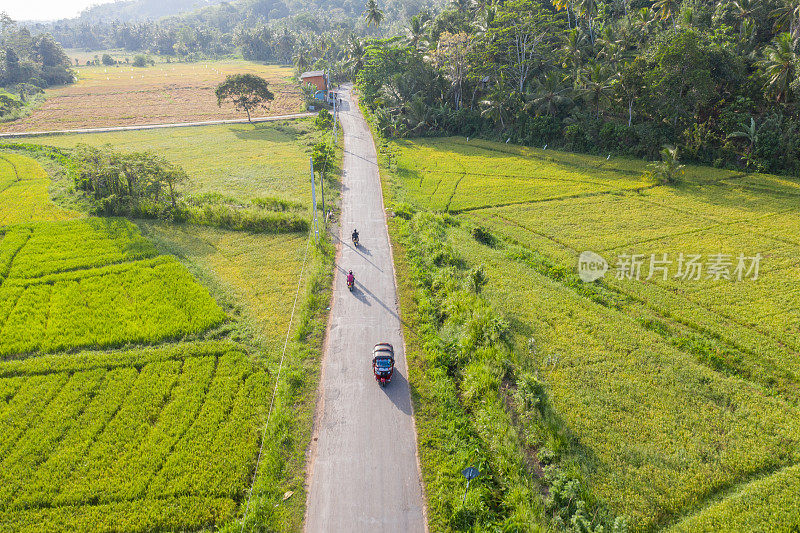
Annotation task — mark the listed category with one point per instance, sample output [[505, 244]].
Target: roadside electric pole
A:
[[314, 222]]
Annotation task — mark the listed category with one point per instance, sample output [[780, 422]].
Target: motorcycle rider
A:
[[355, 235], [351, 279]]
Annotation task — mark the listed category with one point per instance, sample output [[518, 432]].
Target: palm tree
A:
[[788, 17], [778, 65], [417, 113], [565, 5], [748, 11], [749, 134], [355, 54], [417, 27], [588, 9], [494, 109], [551, 94], [302, 59], [572, 51], [668, 170], [610, 49], [597, 86], [484, 17], [667, 9], [462, 6], [644, 17], [373, 15]]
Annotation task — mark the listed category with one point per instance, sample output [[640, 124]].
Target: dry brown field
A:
[[164, 93]]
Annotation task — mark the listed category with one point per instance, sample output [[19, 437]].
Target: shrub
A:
[[483, 236], [404, 210], [322, 155], [324, 120], [119, 182], [141, 60]]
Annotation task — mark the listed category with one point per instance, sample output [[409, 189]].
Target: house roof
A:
[[312, 74]]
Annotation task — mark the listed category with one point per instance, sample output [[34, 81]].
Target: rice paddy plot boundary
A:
[[157, 126]]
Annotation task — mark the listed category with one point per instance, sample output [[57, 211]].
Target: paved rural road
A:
[[364, 474], [156, 126]]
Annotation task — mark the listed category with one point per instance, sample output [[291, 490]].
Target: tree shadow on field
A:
[[187, 240], [265, 131], [747, 199]]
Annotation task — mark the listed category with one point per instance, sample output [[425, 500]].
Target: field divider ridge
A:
[[554, 199], [12, 135]]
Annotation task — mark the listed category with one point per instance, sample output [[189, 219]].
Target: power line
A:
[[277, 381]]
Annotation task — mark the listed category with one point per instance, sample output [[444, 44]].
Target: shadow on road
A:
[[397, 390], [360, 295], [362, 158], [345, 243], [363, 250]]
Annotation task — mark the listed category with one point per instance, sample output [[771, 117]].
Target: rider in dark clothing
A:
[[355, 235]]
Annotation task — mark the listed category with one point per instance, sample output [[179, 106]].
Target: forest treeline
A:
[[265, 30], [718, 80], [30, 63]]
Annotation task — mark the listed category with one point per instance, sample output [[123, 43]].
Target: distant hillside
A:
[[140, 10]]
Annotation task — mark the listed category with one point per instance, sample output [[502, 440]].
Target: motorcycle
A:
[[351, 283], [355, 240]]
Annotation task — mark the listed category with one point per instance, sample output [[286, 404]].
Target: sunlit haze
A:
[[46, 9]]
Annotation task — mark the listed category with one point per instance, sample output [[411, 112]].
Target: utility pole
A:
[[314, 223], [322, 190]]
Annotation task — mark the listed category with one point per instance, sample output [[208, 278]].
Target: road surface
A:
[[107, 129], [363, 470]]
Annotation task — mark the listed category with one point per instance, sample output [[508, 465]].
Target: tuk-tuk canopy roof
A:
[[383, 347]]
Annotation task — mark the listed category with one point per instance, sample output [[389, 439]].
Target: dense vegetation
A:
[[29, 63], [715, 79], [285, 31]]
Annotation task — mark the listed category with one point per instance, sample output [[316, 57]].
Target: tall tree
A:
[[417, 28], [451, 57], [514, 39], [373, 16], [597, 85], [778, 66], [787, 18], [551, 94], [246, 91]]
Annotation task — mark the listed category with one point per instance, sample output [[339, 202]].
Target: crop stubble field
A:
[[682, 395], [123, 95], [157, 425]]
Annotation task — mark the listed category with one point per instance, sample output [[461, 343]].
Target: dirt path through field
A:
[[156, 126], [363, 473]]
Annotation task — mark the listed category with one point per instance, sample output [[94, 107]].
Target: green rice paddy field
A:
[[243, 161], [137, 360], [682, 394]]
